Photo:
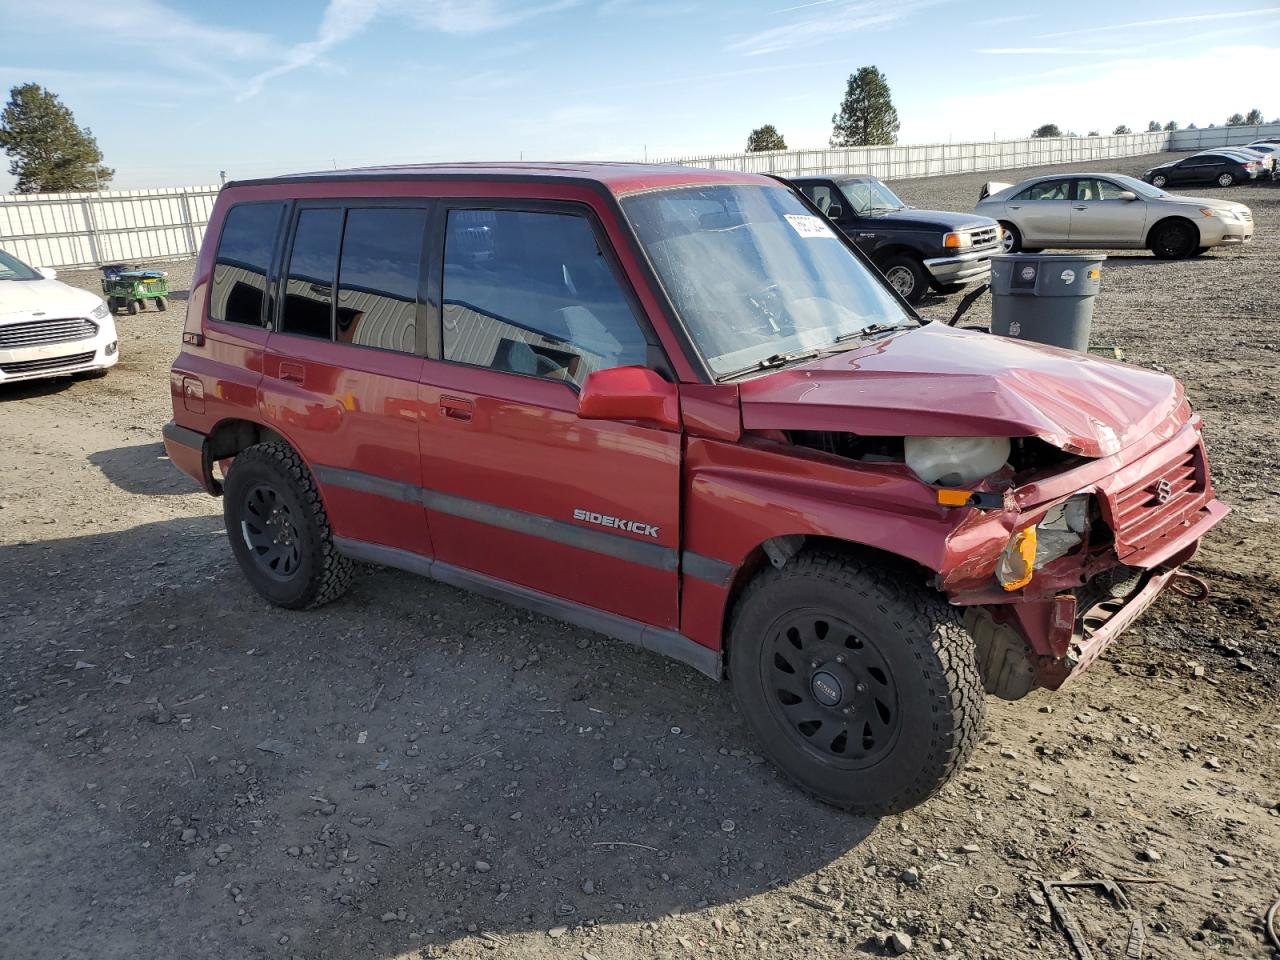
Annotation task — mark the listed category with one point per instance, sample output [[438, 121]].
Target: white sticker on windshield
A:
[[808, 226]]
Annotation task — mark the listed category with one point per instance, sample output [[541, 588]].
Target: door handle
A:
[[455, 408], [1079, 206], [1015, 206], [293, 372]]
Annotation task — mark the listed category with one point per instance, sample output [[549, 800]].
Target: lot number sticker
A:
[[807, 226]]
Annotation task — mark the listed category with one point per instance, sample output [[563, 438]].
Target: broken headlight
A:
[[1059, 531]]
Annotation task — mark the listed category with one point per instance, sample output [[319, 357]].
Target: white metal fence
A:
[[127, 226], [113, 226]]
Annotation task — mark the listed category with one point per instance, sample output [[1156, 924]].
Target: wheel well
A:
[[759, 558], [228, 438], [1172, 219], [898, 249]]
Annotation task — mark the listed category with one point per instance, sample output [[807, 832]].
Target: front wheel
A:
[[862, 688], [906, 275], [1160, 180], [279, 530], [1174, 240]]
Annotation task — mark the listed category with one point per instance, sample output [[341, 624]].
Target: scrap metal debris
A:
[[1071, 927]]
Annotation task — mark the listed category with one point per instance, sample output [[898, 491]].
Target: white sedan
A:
[[1100, 211], [48, 328]]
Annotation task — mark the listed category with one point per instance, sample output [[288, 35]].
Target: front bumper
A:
[[962, 268], [61, 359]]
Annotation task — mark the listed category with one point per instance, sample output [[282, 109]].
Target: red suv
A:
[[674, 406]]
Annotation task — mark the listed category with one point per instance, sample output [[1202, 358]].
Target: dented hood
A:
[[940, 381]]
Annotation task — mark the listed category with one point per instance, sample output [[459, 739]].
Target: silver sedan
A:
[[1111, 211]]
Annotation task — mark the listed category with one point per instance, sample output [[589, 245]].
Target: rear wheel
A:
[[279, 530], [1226, 179], [1174, 240], [907, 275], [863, 689]]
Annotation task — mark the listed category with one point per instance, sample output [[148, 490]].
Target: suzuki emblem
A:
[[1164, 490]]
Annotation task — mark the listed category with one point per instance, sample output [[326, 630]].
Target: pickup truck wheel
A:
[[1174, 240], [1011, 241], [906, 275], [864, 690], [279, 530]]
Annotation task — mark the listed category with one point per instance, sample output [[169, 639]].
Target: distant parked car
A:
[[1263, 157], [1217, 168], [1108, 210], [48, 328], [914, 249], [1271, 150]]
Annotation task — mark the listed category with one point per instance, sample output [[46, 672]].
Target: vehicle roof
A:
[[617, 178], [1071, 173]]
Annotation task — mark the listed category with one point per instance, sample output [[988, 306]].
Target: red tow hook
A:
[[1189, 586]]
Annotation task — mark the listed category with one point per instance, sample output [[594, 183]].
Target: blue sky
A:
[[176, 91]]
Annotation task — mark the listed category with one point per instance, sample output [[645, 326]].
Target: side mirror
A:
[[47, 272], [630, 393], [835, 211], [1128, 195]]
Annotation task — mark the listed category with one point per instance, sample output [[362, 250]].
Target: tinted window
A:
[[240, 269], [378, 278], [531, 293], [308, 295], [1046, 190]]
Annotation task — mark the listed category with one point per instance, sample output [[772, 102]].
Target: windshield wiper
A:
[[780, 359], [868, 331]]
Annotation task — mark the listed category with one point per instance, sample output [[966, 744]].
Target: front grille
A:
[[30, 333], [983, 236], [1159, 503], [47, 363]]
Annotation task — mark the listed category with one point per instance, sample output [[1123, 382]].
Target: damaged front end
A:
[[1087, 549]]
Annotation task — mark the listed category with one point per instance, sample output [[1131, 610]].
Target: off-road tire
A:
[[131, 307], [322, 573], [919, 638], [1174, 240], [915, 283]]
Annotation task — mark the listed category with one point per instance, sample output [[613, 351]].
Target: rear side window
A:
[[531, 293], [1047, 190], [240, 268], [308, 293], [821, 195], [378, 278]]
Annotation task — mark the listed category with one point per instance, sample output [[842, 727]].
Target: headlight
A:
[[1059, 532], [101, 312], [956, 241], [955, 461]]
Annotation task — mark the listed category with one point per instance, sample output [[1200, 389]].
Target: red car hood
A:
[[938, 381]]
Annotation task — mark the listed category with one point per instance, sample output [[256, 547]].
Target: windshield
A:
[[1139, 187], [868, 195], [11, 268], [755, 276]]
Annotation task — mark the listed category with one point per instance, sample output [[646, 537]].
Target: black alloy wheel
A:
[[270, 533]]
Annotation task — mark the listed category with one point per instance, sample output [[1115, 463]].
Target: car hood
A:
[[940, 381], [939, 219], [1209, 202], [22, 299]]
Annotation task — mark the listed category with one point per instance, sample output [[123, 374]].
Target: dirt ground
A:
[[415, 772]]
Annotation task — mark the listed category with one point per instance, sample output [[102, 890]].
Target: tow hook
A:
[[1189, 586]]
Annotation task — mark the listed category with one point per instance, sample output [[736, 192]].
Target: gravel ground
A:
[[416, 772]]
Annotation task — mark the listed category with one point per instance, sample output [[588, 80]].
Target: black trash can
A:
[[1046, 298]]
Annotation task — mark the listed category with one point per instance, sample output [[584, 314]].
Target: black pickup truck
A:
[[914, 249]]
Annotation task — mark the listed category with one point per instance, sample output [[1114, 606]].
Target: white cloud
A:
[[344, 19], [829, 22], [1164, 22], [1049, 51]]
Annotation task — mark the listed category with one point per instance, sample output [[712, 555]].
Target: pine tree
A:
[[867, 116], [1235, 120], [1253, 117], [765, 138], [48, 152], [1120, 130], [1171, 125]]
